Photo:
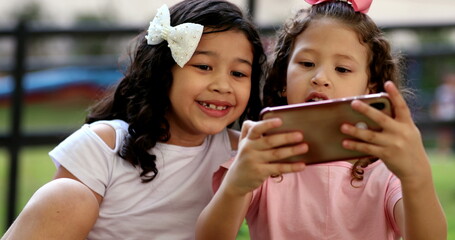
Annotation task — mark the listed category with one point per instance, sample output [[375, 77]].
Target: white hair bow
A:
[[182, 39]]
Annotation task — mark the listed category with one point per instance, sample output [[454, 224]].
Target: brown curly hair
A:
[[383, 64]]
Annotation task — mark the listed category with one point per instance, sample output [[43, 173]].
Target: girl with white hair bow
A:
[[141, 166]]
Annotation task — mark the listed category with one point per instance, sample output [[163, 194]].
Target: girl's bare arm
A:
[[223, 216]]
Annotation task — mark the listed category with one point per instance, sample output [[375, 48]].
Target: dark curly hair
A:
[[141, 97], [383, 64]]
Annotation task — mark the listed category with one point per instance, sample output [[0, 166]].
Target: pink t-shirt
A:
[[320, 203]]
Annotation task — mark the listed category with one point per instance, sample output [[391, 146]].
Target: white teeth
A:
[[213, 106], [317, 99]]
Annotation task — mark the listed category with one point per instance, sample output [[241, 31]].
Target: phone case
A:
[[320, 123]]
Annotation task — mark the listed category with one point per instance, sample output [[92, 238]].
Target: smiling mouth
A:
[[213, 106]]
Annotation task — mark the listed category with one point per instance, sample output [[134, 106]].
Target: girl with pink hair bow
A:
[[333, 50]]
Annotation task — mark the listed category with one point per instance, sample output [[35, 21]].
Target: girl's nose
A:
[[221, 84], [320, 79]]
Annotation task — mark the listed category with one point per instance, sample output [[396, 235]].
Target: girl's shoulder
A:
[[108, 131]]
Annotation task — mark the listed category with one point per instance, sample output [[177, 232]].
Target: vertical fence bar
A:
[[251, 8], [16, 119]]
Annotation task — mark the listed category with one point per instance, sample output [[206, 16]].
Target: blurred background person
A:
[[443, 110]]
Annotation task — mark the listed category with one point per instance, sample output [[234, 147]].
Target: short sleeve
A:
[[219, 174], [393, 195], [87, 157]]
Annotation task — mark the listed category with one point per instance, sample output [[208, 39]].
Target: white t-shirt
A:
[[165, 208]]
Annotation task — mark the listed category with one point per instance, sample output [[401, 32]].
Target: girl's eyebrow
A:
[[301, 50], [210, 53], [304, 50], [241, 60], [347, 57]]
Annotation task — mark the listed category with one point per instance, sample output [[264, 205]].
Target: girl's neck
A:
[[186, 139]]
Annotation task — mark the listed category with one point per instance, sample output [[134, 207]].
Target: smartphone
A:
[[320, 124]]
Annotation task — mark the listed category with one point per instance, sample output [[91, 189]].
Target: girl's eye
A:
[[238, 74], [203, 67], [342, 70], [307, 64]]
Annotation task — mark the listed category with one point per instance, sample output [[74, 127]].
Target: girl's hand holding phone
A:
[[256, 154], [398, 145]]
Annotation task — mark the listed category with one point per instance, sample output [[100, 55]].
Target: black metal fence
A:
[[16, 139]]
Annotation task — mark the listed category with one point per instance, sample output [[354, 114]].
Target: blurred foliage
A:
[[95, 45], [31, 11], [427, 62]]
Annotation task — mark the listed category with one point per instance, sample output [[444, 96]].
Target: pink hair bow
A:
[[359, 5]]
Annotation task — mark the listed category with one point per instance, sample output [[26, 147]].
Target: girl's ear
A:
[[284, 92]]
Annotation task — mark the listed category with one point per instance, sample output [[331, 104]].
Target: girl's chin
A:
[[211, 129]]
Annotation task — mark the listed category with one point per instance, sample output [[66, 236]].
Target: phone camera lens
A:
[[378, 105]]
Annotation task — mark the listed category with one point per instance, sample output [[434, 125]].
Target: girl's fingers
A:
[[277, 169], [400, 107], [367, 148], [256, 133], [276, 154], [394, 130], [246, 128], [364, 134], [255, 144], [255, 130], [280, 139], [267, 150], [374, 114]]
